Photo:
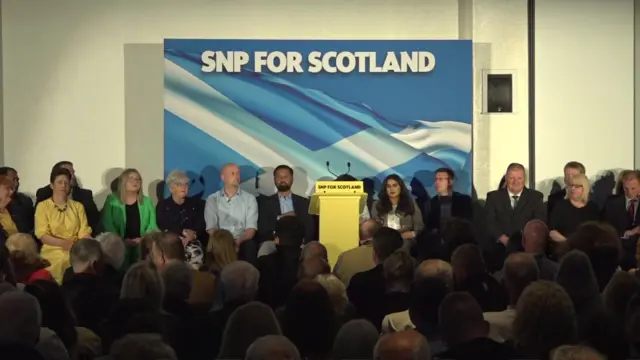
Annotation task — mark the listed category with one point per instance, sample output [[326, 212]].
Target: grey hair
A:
[[240, 280], [420, 351], [575, 352], [83, 253], [337, 291], [112, 249], [177, 177], [267, 347], [313, 249], [142, 346], [355, 340], [178, 280], [142, 281]]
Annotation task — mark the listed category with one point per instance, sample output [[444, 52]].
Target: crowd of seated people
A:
[[234, 278]]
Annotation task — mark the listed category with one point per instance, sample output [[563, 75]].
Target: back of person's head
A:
[[308, 319], [221, 250], [457, 232], [545, 318], [460, 318], [575, 352], [86, 256], [7, 273], [240, 280], [246, 324], [402, 345], [467, 261], [520, 270], [368, 229], [602, 245], [385, 242], [142, 281], [272, 347], [435, 268], [356, 339], [576, 276], [112, 249], [426, 296], [534, 236], [142, 347], [398, 270], [622, 287], [289, 231], [178, 280], [314, 249], [312, 267], [21, 318], [23, 246], [170, 246], [337, 291]]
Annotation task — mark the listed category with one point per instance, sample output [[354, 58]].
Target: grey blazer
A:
[[408, 222]]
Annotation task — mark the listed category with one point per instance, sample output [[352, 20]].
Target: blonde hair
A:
[[581, 179], [122, 181], [25, 246], [221, 250], [337, 291]]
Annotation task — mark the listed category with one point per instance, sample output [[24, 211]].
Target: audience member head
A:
[[579, 188], [402, 345], [515, 178], [240, 280], [545, 319], [178, 183], [631, 184], [86, 257], [308, 319], [112, 249], [24, 256], [571, 169], [142, 281], [601, 243], [520, 270], [575, 352], [166, 249], [178, 280], [130, 182], [142, 346], [457, 232], [312, 267], [398, 271], [622, 287], [6, 191], [435, 268], [56, 314], [444, 181], [7, 274], [230, 175], [67, 165], [272, 347], [368, 229], [283, 178], [246, 324], [355, 340], [427, 294], [221, 250], [577, 279], [12, 174], [534, 237], [385, 242], [21, 318], [314, 249], [60, 183], [394, 192], [460, 319], [289, 231], [337, 291], [467, 261]]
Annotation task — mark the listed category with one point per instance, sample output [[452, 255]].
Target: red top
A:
[[41, 274]]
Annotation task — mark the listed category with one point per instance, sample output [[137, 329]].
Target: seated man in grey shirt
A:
[[234, 210]]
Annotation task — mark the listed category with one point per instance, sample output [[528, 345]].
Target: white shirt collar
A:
[[512, 194]]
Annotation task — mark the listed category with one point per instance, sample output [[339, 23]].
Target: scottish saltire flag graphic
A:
[[367, 122]]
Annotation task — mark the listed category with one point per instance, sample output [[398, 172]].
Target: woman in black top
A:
[[574, 210]]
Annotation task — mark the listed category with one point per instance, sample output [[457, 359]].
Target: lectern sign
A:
[[339, 187]]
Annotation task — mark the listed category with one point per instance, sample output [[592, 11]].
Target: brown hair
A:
[[221, 250], [575, 165]]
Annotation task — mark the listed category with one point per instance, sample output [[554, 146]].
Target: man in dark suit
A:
[[508, 210], [83, 196], [447, 203], [283, 203], [571, 169], [621, 212], [21, 206]]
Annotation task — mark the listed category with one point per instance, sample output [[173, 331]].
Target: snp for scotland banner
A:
[[370, 108]]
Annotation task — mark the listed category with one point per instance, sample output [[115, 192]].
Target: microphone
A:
[[329, 169], [257, 185], [348, 167]]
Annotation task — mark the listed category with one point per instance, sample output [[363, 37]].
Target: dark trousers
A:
[[248, 251]]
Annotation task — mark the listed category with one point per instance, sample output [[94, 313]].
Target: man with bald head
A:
[[403, 345], [534, 242], [234, 210], [358, 259]]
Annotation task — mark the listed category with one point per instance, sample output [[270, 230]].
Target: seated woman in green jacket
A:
[[130, 214]]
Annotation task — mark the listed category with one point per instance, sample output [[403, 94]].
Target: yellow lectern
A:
[[338, 204]]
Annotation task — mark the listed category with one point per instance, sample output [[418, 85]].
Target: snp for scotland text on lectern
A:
[[338, 204]]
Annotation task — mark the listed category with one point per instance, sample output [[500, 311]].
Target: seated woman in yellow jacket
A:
[[59, 223]]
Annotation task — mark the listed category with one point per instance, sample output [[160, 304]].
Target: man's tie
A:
[[631, 211], [515, 200]]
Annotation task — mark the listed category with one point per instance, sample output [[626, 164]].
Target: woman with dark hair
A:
[[396, 209]]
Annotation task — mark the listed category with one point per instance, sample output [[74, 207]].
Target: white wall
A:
[[584, 86], [79, 75]]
